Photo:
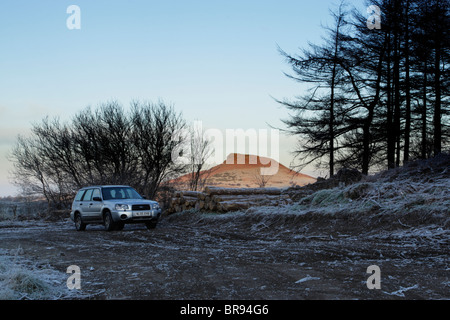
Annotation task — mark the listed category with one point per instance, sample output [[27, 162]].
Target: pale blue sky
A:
[[216, 61]]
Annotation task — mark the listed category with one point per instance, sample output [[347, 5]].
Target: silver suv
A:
[[113, 206]]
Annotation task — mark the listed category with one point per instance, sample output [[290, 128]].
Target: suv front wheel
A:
[[109, 222], [151, 224]]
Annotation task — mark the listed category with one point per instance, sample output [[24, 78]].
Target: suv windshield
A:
[[118, 193]]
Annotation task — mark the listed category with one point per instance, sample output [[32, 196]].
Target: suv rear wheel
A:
[[79, 224]]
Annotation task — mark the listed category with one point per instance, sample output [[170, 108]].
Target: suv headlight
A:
[[122, 207], [155, 206]]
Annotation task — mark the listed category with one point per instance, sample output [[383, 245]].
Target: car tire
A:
[[108, 221], [120, 226], [151, 224], [79, 224]]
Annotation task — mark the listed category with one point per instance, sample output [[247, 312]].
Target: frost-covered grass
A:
[[327, 197], [22, 210], [380, 197], [20, 279], [367, 205]]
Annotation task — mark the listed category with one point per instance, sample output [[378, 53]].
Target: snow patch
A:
[[307, 278], [400, 292]]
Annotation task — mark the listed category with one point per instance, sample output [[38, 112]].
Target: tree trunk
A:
[[407, 89], [437, 105], [397, 91], [424, 154], [389, 111]]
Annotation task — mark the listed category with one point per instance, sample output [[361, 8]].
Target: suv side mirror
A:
[[98, 199]]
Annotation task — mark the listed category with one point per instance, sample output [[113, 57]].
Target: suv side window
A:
[[96, 193], [88, 195], [79, 195]]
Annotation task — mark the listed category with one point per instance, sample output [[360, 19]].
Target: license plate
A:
[[142, 214]]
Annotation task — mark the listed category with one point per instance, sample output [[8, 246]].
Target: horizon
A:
[[233, 164], [246, 156]]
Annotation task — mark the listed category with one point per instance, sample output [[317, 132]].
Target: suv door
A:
[[85, 205], [95, 207]]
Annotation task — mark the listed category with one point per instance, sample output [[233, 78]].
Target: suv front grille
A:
[[140, 207]]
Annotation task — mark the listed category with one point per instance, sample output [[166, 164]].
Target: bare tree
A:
[[199, 153], [259, 179], [318, 116], [105, 146], [154, 126]]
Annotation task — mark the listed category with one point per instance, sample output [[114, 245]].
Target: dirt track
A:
[[231, 257]]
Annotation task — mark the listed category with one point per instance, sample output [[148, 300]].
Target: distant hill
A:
[[244, 171]]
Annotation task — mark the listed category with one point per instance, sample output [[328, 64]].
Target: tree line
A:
[[377, 97], [104, 146]]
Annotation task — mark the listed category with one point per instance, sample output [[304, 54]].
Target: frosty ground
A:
[[252, 255]]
